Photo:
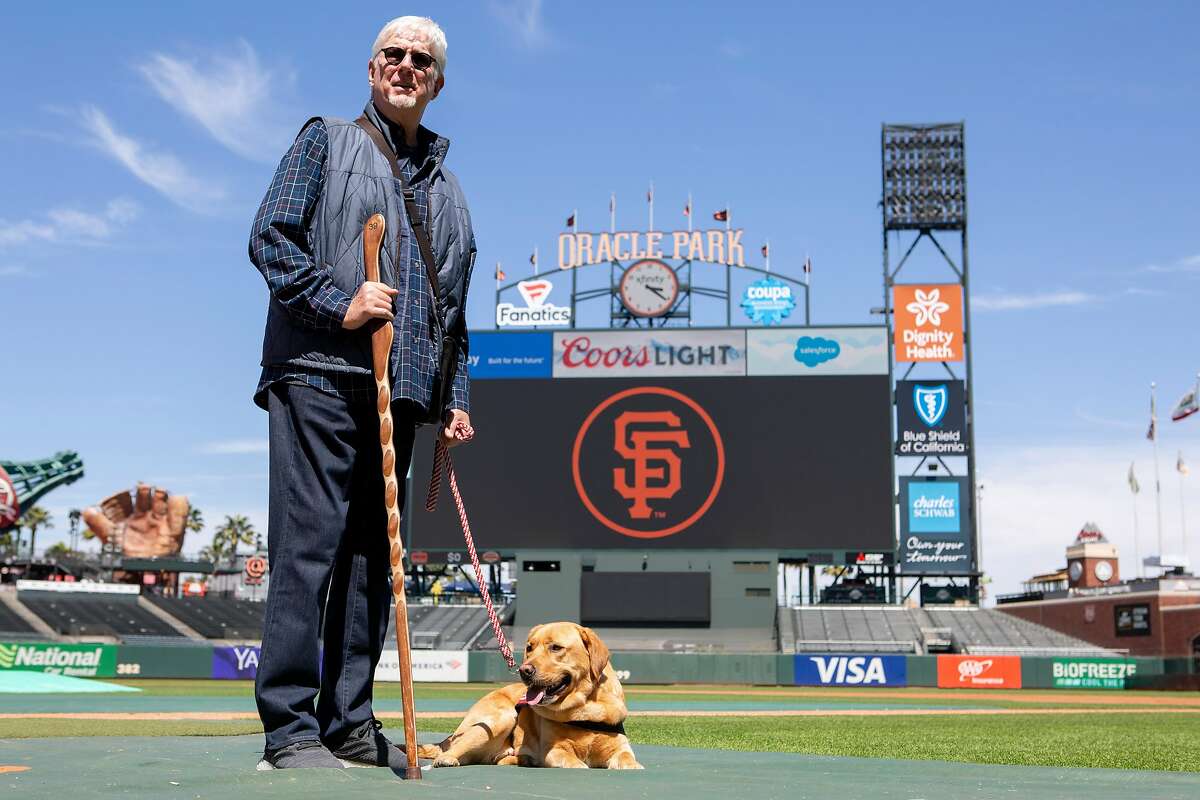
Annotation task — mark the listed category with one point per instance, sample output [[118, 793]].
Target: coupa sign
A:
[[81, 661], [768, 301], [850, 670]]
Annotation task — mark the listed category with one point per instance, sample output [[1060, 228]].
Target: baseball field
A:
[[201, 738]]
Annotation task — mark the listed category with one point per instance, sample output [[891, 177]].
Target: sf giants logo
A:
[[648, 462], [646, 447]]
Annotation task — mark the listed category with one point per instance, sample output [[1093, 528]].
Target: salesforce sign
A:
[[850, 670], [935, 529]]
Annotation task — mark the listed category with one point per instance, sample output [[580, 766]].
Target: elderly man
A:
[[327, 530]]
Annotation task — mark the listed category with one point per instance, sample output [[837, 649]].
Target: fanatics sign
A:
[[929, 322]]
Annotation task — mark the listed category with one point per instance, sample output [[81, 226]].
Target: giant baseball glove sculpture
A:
[[145, 525]]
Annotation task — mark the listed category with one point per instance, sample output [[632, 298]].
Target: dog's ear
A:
[[597, 652], [532, 631]]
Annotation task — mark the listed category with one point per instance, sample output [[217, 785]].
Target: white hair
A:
[[427, 28]]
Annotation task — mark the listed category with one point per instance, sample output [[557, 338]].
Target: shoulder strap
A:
[[410, 207]]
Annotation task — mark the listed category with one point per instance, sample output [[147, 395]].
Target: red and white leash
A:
[[442, 462]]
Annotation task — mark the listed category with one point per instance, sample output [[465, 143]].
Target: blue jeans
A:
[[328, 549]]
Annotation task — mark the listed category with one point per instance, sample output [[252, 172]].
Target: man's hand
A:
[[371, 301], [458, 429], [147, 525]]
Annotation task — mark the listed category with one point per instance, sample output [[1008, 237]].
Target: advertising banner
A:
[[431, 666], [768, 301], [979, 672], [935, 536], [75, 660], [850, 670], [232, 663], [510, 355], [817, 351], [931, 417], [538, 310], [649, 353], [929, 322], [1092, 673], [677, 463]]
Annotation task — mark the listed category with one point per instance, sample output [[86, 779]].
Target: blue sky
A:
[[140, 139]]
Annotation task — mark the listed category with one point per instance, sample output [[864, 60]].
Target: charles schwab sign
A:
[[935, 526]]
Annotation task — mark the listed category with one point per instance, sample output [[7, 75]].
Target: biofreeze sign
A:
[[850, 670], [1092, 673]]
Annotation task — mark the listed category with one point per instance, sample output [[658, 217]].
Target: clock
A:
[[649, 288], [1075, 570], [1103, 571]]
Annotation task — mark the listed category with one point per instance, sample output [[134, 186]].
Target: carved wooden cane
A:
[[381, 348]]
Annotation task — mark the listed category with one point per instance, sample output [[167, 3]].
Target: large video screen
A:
[[694, 454]]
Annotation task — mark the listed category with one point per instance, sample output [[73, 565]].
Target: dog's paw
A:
[[445, 760]]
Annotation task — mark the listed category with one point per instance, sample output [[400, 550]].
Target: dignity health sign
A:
[[929, 322], [935, 526]]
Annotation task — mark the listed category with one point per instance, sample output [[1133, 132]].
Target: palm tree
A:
[[34, 518], [195, 520], [235, 530]]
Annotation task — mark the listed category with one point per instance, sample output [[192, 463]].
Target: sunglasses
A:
[[394, 56]]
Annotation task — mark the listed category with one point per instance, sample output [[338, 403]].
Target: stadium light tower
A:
[[924, 177]]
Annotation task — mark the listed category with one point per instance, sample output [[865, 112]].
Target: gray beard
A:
[[402, 101]]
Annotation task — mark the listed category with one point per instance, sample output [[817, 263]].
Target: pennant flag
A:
[[500, 273], [687, 209], [1181, 467], [1133, 483], [807, 265], [1188, 404], [1151, 433], [766, 251], [571, 221], [612, 202], [533, 258], [650, 194], [722, 215]]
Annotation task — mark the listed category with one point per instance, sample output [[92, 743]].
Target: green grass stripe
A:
[[1151, 741]]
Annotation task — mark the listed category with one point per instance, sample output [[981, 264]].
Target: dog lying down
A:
[[569, 710]]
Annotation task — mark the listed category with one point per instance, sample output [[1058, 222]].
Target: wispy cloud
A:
[[523, 18], [234, 447], [71, 225], [1189, 264], [1095, 419], [231, 95], [14, 271], [1021, 302], [160, 170]]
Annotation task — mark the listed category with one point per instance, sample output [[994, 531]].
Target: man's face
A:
[[403, 86]]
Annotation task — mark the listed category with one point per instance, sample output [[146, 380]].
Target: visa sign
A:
[[849, 670]]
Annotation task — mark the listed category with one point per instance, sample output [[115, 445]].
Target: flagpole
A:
[[1133, 492], [768, 255], [1157, 482], [1181, 468], [535, 260], [612, 213], [650, 201], [728, 215], [575, 220]]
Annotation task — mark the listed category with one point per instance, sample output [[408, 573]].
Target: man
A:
[[327, 536]]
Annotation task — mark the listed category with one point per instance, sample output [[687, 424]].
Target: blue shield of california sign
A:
[[931, 402], [768, 301]]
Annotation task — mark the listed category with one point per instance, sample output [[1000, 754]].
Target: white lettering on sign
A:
[[853, 670], [715, 246]]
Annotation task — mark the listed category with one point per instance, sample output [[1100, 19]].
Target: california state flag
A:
[[1188, 404]]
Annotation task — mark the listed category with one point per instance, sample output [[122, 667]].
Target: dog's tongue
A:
[[532, 698]]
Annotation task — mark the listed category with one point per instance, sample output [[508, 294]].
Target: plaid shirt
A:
[[281, 252]]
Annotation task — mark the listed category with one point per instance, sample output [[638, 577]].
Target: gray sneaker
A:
[[366, 746], [305, 754]]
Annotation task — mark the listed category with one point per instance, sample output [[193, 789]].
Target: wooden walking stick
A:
[[381, 348]]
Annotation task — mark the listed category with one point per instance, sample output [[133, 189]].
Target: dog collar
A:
[[587, 725]]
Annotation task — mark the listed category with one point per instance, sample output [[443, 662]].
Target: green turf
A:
[[1153, 741]]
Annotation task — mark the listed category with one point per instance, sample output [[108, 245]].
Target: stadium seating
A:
[[446, 627], [96, 615], [215, 617], [894, 629], [12, 626]]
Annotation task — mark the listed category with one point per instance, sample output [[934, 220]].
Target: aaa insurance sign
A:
[[929, 322], [931, 417]]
